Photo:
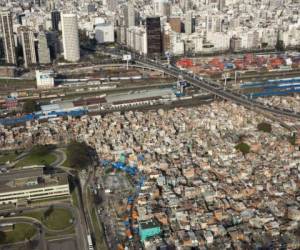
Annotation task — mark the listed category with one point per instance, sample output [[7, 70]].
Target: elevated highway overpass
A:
[[211, 87]]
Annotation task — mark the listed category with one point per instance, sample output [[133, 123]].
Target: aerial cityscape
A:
[[149, 124]]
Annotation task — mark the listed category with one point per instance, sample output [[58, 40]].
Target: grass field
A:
[[66, 163], [75, 198], [58, 219], [7, 156], [50, 235], [21, 231], [35, 159]]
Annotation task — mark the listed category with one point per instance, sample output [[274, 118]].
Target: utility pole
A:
[[225, 76], [235, 77]]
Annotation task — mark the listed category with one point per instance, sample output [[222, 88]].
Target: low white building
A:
[[104, 33], [44, 79], [25, 185]]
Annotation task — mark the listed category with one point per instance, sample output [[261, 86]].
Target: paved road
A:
[[61, 157], [82, 229]]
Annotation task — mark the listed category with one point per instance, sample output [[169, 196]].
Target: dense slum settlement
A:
[[282, 102], [200, 190]]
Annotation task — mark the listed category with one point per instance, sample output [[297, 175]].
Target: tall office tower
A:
[[188, 23], [154, 37], [221, 5], [37, 3], [2, 55], [28, 46], [112, 5], [50, 4], [53, 43], [159, 7], [130, 15], [6, 28], [185, 5], [55, 19], [70, 37], [43, 49]]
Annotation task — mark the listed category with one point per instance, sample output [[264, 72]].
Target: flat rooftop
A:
[[139, 95], [147, 224], [29, 179]]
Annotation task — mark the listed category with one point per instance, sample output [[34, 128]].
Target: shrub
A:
[[243, 147], [265, 127]]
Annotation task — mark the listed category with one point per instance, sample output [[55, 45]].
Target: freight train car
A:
[[41, 116]]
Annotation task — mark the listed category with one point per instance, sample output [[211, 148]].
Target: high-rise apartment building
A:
[[154, 37], [221, 5], [175, 24], [6, 28], [28, 46], [55, 19], [112, 5], [130, 15], [43, 49], [70, 37], [188, 23]]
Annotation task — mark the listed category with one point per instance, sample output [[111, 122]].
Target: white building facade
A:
[[70, 37], [44, 79]]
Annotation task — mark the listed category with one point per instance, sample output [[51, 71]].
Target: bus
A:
[[90, 243]]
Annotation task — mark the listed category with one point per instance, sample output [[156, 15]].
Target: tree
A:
[[30, 106], [48, 211], [78, 154], [243, 147], [264, 127], [42, 150], [292, 139]]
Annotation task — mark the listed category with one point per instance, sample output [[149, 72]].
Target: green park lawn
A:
[[59, 218], [21, 232], [36, 159], [7, 156]]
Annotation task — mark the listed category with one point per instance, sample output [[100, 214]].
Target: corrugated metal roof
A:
[[50, 107], [139, 95]]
